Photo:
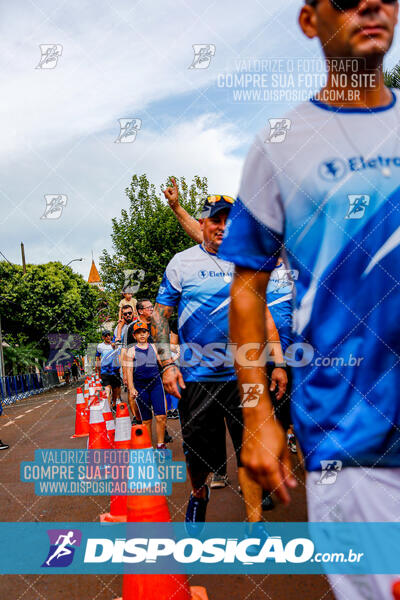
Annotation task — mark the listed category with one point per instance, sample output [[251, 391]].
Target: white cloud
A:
[[119, 59]]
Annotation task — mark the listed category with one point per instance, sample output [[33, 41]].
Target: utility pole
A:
[[23, 257]]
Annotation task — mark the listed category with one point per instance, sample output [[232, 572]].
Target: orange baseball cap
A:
[[140, 325]]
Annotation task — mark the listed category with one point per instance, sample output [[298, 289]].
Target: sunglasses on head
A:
[[344, 5], [214, 199]]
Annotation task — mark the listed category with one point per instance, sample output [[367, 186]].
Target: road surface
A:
[[47, 421]]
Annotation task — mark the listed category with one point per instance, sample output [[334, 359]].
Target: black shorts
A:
[[203, 409], [113, 380]]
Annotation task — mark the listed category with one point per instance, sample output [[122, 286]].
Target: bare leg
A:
[[161, 421], [148, 427], [252, 495]]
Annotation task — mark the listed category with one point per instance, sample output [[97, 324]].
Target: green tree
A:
[[392, 78], [147, 235], [50, 298], [22, 359]]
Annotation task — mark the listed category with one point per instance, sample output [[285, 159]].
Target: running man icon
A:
[[61, 550]]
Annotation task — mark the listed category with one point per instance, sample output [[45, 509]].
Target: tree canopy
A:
[[49, 299], [147, 235]]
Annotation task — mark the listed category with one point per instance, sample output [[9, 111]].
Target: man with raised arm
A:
[[198, 283]]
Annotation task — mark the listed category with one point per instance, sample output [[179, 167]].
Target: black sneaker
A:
[[169, 414], [267, 502], [196, 512], [3, 446], [167, 438], [175, 413]]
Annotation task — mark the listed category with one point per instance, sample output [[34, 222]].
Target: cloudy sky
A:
[[126, 59]]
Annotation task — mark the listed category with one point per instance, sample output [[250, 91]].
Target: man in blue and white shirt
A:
[[330, 194], [108, 361], [198, 283]]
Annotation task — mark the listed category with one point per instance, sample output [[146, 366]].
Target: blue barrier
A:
[[18, 387]]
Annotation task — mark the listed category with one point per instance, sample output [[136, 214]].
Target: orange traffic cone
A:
[[153, 509], [108, 416], [396, 590], [98, 438], [81, 416], [92, 395], [122, 441]]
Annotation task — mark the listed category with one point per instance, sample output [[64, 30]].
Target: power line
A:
[[5, 258]]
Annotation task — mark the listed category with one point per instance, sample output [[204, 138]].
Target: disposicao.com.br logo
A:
[[210, 551], [62, 547]]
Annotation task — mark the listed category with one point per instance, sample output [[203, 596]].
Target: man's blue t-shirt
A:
[[109, 359], [199, 284], [330, 195]]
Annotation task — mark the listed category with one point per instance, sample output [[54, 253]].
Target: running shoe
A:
[[169, 414], [3, 446], [258, 531], [167, 438], [219, 481], [175, 413], [267, 502], [291, 442], [196, 512]]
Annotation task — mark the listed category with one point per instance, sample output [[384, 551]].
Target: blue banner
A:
[[211, 548]]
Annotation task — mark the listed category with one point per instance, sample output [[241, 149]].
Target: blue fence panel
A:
[[17, 387]]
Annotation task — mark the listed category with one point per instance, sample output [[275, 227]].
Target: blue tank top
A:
[[145, 364]]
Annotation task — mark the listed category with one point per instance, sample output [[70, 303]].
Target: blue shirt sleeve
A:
[[170, 290]]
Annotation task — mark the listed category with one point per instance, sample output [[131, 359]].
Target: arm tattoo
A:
[[160, 330]]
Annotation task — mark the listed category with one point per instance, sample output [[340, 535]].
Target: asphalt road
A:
[[47, 421]]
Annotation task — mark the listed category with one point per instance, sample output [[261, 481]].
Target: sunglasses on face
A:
[[128, 314], [344, 5]]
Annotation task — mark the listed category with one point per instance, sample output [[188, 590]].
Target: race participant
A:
[[127, 316], [67, 374], [279, 335], [127, 300], [108, 363], [145, 310], [172, 401], [198, 283], [144, 382], [75, 371], [330, 195]]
